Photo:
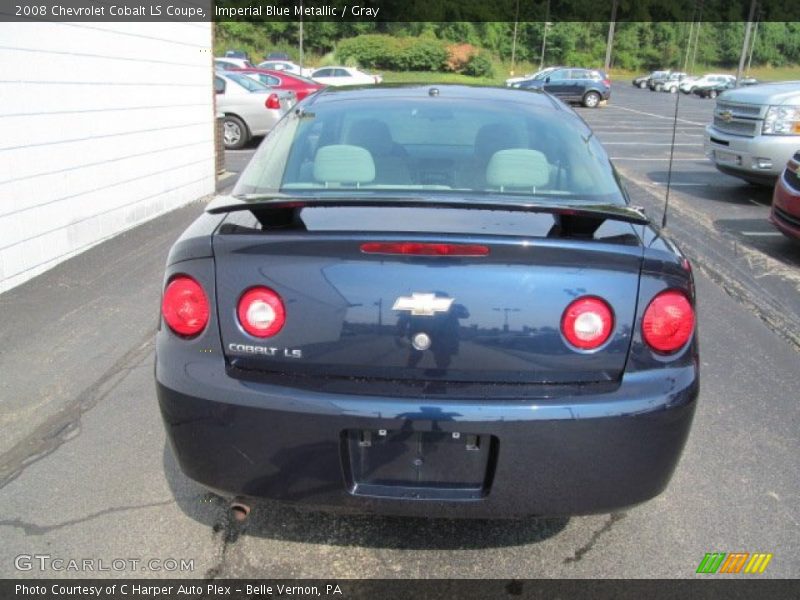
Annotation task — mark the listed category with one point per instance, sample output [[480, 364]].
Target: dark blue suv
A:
[[587, 86]]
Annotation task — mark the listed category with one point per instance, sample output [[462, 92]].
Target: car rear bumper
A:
[[761, 158], [575, 455]]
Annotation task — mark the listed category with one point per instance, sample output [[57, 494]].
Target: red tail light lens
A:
[[587, 322], [668, 322], [607, 82], [420, 249], [273, 101], [261, 312], [185, 306]]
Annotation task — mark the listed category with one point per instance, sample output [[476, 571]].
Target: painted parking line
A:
[[666, 132], [641, 112], [761, 233], [651, 144], [657, 158], [682, 184]]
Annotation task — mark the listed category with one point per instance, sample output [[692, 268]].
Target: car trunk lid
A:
[[488, 317]]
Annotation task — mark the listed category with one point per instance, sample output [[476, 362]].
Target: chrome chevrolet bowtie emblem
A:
[[423, 305], [726, 116]]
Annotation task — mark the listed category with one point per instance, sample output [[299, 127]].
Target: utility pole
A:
[[696, 43], [610, 42], [746, 42], [544, 37], [301, 37], [514, 42], [753, 45], [689, 41]]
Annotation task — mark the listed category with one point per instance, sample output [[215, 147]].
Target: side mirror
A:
[[547, 79]]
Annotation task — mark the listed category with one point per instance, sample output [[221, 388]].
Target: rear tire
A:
[[234, 132], [642, 85], [659, 87], [712, 94], [673, 90], [591, 99]]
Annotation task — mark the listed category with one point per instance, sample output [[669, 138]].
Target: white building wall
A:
[[102, 127]]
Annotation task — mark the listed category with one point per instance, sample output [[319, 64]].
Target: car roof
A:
[[409, 91]]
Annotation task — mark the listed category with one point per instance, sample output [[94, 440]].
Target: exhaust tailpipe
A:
[[239, 510]]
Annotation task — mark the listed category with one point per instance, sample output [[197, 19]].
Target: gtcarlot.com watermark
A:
[[47, 562]]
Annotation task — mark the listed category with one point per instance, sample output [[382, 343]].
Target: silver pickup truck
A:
[[755, 131]]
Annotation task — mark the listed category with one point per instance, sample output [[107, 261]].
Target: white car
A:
[[337, 76], [227, 63], [687, 87], [250, 107], [285, 65], [673, 85]]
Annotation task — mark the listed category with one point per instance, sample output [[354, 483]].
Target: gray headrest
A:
[[518, 168], [372, 134], [340, 163]]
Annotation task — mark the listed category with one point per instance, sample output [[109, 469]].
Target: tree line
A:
[[637, 45]]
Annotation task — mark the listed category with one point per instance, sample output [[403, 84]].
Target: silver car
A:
[[250, 107]]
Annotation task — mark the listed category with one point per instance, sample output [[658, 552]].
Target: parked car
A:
[[236, 54], [232, 63], [657, 84], [688, 86], [671, 83], [368, 368], [655, 75], [250, 107], [282, 80], [277, 56], [513, 81], [538, 75], [587, 86], [712, 90], [785, 213], [675, 86], [285, 65], [641, 80], [750, 81], [337, 76], [755, 131]]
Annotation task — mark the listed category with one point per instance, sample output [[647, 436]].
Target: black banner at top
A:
[[387, 11]]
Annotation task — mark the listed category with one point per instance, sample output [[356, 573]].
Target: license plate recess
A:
[[432, 465]]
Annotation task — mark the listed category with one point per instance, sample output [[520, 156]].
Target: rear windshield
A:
[[248, 83], [453, 146]]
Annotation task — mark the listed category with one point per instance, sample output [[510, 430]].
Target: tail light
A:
[[668, 322], [261, 312], [185, 306], [607, 82], [422, 249], [587, 322], [273, 102]]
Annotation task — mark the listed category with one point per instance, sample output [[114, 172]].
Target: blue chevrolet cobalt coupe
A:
[[428, 301]]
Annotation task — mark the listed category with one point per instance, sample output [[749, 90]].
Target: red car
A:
[[301, 86], [785, 214]]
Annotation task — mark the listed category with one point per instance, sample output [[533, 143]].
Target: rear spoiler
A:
[[595, 212]]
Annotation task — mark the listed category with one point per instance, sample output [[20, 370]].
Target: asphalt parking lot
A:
[[85, 472]]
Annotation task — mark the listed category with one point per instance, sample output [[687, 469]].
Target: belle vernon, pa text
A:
[[269, 10], [155, 591]]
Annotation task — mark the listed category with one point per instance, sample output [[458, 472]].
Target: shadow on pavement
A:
[[283, 522]]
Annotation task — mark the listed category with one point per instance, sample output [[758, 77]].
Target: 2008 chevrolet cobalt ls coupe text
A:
[[429, 301]]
